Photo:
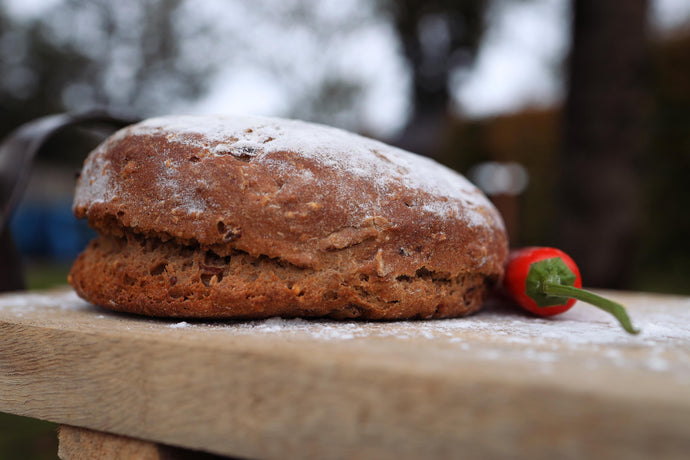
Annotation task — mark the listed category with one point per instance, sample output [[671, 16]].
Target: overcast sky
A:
[[518, 64]]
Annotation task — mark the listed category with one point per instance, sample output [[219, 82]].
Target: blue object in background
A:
[[49, 231], [26, 227]]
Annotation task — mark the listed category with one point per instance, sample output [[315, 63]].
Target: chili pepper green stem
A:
[[616, 309]]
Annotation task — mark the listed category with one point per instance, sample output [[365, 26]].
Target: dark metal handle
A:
[[17, 153]]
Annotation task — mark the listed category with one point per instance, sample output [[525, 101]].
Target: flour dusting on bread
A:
[[345, 153]]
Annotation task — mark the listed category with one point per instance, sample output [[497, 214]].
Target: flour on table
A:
[[17, 303], [542, 340], [494, 333]]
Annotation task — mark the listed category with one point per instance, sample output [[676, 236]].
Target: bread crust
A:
[[332, 207]]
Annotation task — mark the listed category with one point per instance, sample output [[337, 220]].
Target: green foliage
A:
[[46, 275], [27, 439]]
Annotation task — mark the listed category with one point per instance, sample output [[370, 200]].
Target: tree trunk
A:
[[605, 135], [438, 37]]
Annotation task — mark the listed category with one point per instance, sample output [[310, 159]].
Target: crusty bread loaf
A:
[[248, 217]]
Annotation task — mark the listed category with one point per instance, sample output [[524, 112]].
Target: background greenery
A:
[[25, 438]]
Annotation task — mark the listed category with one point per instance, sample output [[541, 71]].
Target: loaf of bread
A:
[[249, 217]]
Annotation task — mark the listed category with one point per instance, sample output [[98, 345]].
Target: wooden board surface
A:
[[498, 384]]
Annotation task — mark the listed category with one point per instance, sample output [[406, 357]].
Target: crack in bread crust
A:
[[145, 275]]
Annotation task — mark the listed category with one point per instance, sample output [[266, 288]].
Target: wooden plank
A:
[[84, 444], [494, 385]]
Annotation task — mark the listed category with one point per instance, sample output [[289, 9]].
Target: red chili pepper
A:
[[546, 282]]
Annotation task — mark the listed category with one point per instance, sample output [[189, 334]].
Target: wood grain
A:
[[499, 384], [84, 444]]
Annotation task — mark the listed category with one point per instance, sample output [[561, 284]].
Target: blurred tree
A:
[[159, 56], [124, 55], [605, 137], [309, 43], [532, 137], [665, 252], [33, 71], [439, 38]]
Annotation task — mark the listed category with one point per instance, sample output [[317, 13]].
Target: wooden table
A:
[[499, 384]]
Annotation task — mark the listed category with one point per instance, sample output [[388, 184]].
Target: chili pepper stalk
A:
[[546, 281]]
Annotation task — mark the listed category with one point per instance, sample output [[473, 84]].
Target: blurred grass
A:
[[22, 437], [26, 438], [673, 280], [46, 274]]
